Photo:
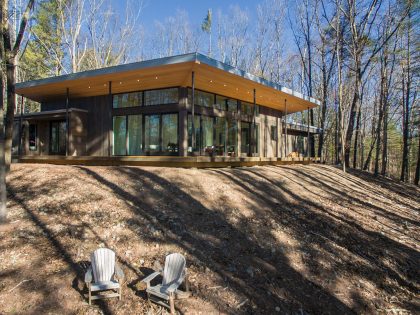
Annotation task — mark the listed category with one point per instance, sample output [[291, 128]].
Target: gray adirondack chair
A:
[[104, 274], [174, 273]]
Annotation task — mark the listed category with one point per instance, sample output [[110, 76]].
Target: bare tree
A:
[[303, 36], [72, 18], [406, 81], [111, 39], [9, 51]]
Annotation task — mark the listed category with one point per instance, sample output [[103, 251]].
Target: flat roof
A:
[[210, 75]]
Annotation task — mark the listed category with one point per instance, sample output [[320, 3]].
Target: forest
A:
[[359, 58]]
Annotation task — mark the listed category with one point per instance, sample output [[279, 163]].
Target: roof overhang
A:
[[210, 75], [48, 115]]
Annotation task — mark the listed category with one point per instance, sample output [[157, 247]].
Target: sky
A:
[[158, 10]]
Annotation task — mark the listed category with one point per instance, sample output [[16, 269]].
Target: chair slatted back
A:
[[174, 271], [103, 264]]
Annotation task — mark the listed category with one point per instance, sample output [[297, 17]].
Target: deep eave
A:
[[210, 75]]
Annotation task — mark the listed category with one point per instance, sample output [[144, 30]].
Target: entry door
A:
[[58, 137]]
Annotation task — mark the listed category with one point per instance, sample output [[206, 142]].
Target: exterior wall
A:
[[296, 142], [99, 125], [91, 132], [78, 133]]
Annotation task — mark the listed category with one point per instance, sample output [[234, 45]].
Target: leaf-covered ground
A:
[[260, 240]]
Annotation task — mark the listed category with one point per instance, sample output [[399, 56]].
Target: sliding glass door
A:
[[151, 134], [158, 137]]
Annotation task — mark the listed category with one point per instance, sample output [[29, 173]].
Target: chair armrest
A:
[[88, 275], [150, 277], [173, 287], [119, 274]]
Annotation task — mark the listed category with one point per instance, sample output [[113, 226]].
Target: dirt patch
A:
[[260, 240]]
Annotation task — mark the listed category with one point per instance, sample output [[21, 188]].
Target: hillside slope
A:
[[260, 240]]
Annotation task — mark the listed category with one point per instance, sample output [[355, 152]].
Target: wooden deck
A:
[[164, 161]]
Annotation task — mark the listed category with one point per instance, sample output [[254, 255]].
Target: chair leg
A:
[[120, 291], [172, 304], [90, 296]]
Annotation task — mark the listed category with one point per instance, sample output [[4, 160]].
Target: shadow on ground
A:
[[303, 239]]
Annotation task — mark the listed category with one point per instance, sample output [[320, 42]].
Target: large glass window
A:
[[170, 133], [160, 97], [246, 128], [207, 134], [247, 108], [33, 131], [245, 136], [197, 133], [225, 103], [120, 131], [201, 98], [134, 133], [127, 100], [232, 138], [220, 133], [151, 134], [256, 139]]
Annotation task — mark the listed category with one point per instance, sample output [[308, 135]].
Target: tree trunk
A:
[[321, 135], [416, 177], [356, 138], [406, 106], [352, 115], [380, 119], [385, 138], [10, 113], [3, 193]]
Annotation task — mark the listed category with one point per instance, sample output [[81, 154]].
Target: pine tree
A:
[[206, 27]]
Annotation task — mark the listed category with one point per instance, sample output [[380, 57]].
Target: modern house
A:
[[181, 109]]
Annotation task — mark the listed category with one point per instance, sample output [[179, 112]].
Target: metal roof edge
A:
[[228, 68], [110, 70], [189, 57]]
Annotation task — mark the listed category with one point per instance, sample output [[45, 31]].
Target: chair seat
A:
[[160, 291], [104, 285]]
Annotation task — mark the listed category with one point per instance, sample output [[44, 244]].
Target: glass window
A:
[[127, 100], [151, 133], [246, 128], [246, 108], [232, 138], [134, 133], [256, 139], [170, 133], [58, 137], [220, 131], [201, 98], [225, 103], [245, 136], [160, 97], [207, 134], [274, 133], [197, 133], [120, 131], [33, 130]]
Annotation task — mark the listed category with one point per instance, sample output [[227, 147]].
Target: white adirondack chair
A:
[[107, 275], [174, 273]]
